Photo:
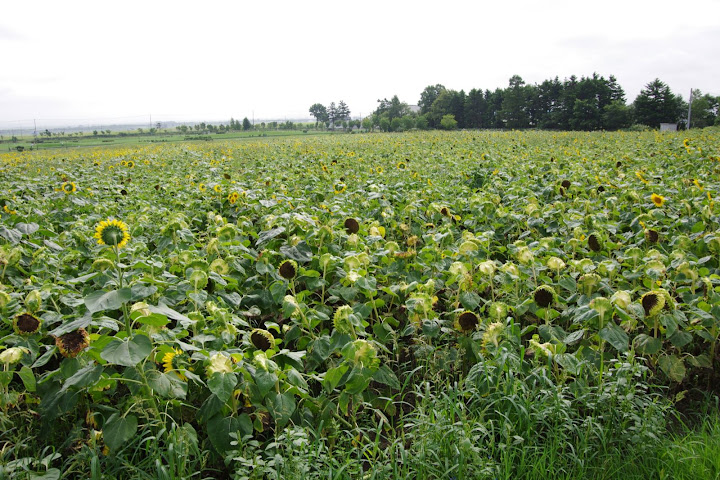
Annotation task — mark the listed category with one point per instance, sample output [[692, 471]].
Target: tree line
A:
[[587, 103]]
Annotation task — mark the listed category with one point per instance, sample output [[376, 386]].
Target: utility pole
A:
[[689, 108]]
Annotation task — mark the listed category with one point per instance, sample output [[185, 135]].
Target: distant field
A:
[[420, 305]]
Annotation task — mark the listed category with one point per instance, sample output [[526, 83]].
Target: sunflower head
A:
[[544, 296], [175, 361], [594, 242], [262, 339], [652, 302], [112, 232], [351, 225], [467, 321], [72, 343], [26, 324], [652, 236], [288, 269], [657, 200], [339, 188], [565, 184], [68, 187]]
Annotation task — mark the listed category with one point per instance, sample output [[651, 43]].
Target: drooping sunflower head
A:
[[544, 296], [467, 321], [68, 187], [594, 242], [652, 302], [351, 225], [112, 232], [565, 184], [341, 320], [175, 361], [658, 200], [652, 236], [26, 324], [262, 339], [288, 269], [72, 343], [445, 211]]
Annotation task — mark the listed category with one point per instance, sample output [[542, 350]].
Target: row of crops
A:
[[240, 290]]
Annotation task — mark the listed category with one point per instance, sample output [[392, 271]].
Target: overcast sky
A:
[[114, 62]]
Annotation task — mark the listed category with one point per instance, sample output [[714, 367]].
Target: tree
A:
[[428, 97], [616, 115], [514, 106], [448, 122], [342, 112], [703, 110], [394, 108], [246, 125], [332, 114], [657, 104], [320, 113]]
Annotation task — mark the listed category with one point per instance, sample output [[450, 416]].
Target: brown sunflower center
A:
[[594, 243], [543, 297], [565, 184], [260, 341], [351, 225], [72, 343], [287, 270], [649, 302], [26, 323], [467, 321], [652, 236]]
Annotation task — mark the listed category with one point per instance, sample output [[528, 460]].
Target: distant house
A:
[[668, 127]]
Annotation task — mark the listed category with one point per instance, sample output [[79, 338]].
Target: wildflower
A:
[[112, 232], [72, 343]]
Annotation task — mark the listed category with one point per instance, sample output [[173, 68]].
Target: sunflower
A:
[[697, 184], [652, 236], [658, 200], [379, 169], [544, 296], [218, 188], [130, 164], [341, 320], [351, 225], [594, 242], [201, 187], [652, 302], [324, 168], [686, 143], [68, 187], [565, 184], [467, 321], [339, 188], [72, 343], [26, 324], [262, 339], [112, 232], [401, 165], [233, 197], [288, 269], [174, 361]]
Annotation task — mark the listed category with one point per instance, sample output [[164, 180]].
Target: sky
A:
[[90, 62]]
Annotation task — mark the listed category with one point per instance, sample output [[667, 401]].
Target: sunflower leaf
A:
[[300, 252], [112, 300], [222, 385], [118, 430], [128, 352]]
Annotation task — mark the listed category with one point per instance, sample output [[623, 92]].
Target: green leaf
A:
[[127, 352], [219, 429], [10, 234], [50, 474], [222, 385], [154, 320], [300, 252], [268, 235], [28, 378], [386, 376], [84, 377], [333, 376], [118, 430], [616, 337], [281, 407], [647, 345], [469, 300], [673, 367], [574, 337], [112, 300], [68, 327], [27, 228], [265, 381], [166, 385]]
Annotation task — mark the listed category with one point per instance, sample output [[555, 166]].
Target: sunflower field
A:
[[418, 305]]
